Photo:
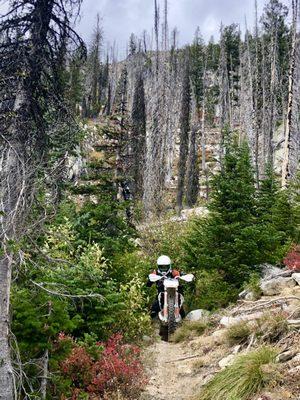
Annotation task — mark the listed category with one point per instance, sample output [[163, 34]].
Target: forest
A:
[[106, 163]]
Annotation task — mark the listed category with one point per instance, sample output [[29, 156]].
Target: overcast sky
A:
[[122, 17]]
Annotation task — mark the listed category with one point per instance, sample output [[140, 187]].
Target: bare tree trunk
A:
[[156, 31], [272, 110], [288, 121], [255, 102], [44, 381], [13, 191], [264, 106], [184, 132], [6, 371], [45, 371], [192, 175], [203, 133], [224, 96]]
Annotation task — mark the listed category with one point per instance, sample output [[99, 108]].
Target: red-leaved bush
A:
[[292, 259], [117, 368]]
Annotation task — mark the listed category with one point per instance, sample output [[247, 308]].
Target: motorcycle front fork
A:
[[177, 307]]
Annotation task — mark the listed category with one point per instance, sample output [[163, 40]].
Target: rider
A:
[[164, 268]]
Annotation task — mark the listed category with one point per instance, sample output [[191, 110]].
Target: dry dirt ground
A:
[[177, 371]]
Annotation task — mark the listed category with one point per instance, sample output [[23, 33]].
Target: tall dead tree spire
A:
[[156, 33], [184, 130], [291, 78], [224, 96], [256, 92], [166, 27]]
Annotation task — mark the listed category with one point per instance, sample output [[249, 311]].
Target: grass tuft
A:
[[271, 327], [198, 365], [189, 330], [238, 333], [249, 374]]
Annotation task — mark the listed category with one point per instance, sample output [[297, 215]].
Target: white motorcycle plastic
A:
[[170, 303]]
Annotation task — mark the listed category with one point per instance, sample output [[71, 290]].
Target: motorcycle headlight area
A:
[[171, 283]]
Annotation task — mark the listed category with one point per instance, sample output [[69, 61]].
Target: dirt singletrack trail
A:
[[170, 373]]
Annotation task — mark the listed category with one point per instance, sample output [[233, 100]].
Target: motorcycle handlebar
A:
[[186, 278]]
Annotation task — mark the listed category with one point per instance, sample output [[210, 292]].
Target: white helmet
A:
[[164, 264]]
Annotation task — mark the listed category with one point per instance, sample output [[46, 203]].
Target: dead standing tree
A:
[[286, 173], [184, 130], [138, 135], [224, 96], [31, 107]]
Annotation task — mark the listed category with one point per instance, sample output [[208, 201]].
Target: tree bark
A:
[[44, 381], [6, 371]]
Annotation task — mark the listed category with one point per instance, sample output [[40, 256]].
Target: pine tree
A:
[[294, 194], [274, 211], [282, 217], [233, 189], [227, 240], [267, 194]]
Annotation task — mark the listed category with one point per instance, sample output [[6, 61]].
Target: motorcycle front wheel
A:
[[163, 333], [171, 315]]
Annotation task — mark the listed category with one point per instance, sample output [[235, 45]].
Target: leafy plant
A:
[[135, 320], [292, 259], [117, 367]]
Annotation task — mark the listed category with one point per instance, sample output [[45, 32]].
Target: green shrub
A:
[[189, 330], [126, 265], [210, 291], [243, 379], [237, 333], [134, 321], [105, 224]]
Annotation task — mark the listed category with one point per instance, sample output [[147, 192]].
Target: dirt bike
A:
[[170, 302]]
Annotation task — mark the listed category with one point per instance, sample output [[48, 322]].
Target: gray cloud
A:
[[122, 17]]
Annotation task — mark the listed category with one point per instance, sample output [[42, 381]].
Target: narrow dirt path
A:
[[170, 377]]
